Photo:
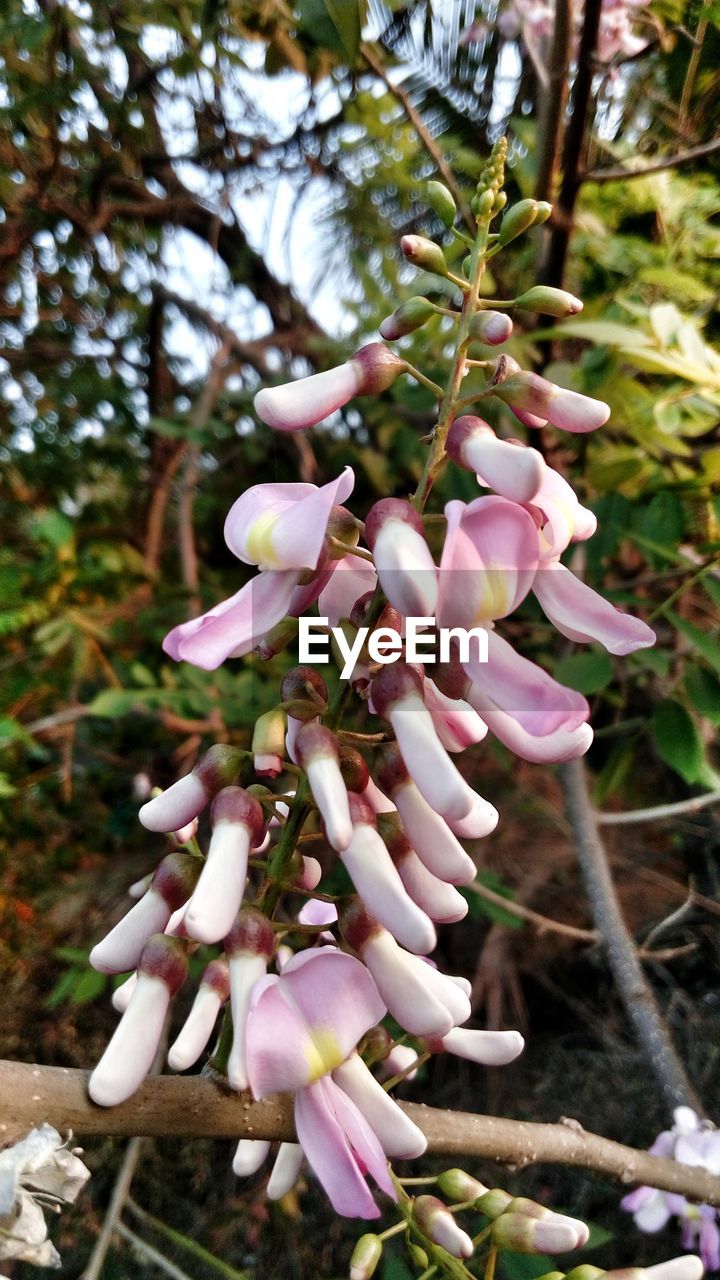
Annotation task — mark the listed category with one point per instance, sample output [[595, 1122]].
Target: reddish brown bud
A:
[[235, 805], [166, 958], [294, 692], [393, 684], [251, 933]]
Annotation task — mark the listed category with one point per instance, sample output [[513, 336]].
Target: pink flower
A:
[[403, 561], [522, 690], [582, 615], [302, 1030], [561, 518], [489, 559], [283, 526], [535, 400], [297, 405]]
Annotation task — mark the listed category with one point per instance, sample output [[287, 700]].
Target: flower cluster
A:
[[308, 993], [691, 1141]]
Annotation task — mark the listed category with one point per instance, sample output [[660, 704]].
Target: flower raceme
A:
[[393, 805]]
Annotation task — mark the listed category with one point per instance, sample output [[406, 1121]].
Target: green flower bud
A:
[[585, 1272], [417, 1255], [542, 212], [547, 301], [459, 1186], [425, 254], [500, 202], [408, 317], [517, 219], [466, 265], [493, 1203], [441, 203], [365, 1257], [482, 203], [277, 640], [268, 743]]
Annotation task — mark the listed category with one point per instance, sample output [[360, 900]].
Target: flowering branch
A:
[[200, 1107]]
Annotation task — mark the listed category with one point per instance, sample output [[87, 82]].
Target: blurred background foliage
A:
[[200, 198]]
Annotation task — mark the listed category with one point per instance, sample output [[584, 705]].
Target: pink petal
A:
[[283, 526], [402, 982], [303, 403], [563, 744], [329, 995], [512, 469], [582, 615], [351, 579], [235, 626], [480, 821], [457, 724], [378, 882], [247, 972], [489, 559], [524, 691], [565, 519], [329, 1149]]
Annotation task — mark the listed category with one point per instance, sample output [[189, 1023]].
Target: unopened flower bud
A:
[[517, 219], [212, 993], [353, 768], [238, 826], [343, 526], [365, 1257], [304, 693], [171, 887], [490, 327], [441, 203], [521, 1204], [408, 317], [459, 1186], [424, 254], [482, 203], [317, 752], [403, 561], [185, 799], [297, 405], [547, 301], [688, 1267], [277, 640], [417, 1255], [510, 468], [494, 1202], [434, 1219], [523, 1234], [248, 946], [586, 1271], [542, 212], [268, 743], [533, 399], [129, 1055]]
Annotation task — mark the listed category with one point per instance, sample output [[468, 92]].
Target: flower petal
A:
[[236, 625], [283, 526], [351, 579], [581, 614], [296, 405], [399, 1138], [524, 691], [328, 1149]]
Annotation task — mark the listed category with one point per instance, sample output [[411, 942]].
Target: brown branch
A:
[[658, 812], [423, 134], [199, 1107], [554, 271], [639, 1001], [553, 106], [656, 166]]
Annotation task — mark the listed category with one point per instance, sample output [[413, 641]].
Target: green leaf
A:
[[606, 332], [586, 672], [88, 987], [52, 527], [703, 691], [347, 17], [677, 740]]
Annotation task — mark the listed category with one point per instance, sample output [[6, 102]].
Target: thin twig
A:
[[424, 135], [200, 1107], [676, 161], [184, 1242], [658, 812], [640, 1003], [148, 1254], [112, 1222]]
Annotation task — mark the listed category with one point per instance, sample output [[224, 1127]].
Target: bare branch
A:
[[617, 174], [201, 1107], [658, 812]]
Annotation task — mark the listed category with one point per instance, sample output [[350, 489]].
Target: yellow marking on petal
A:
[[495, 595], [322, 1052], [259, 542]]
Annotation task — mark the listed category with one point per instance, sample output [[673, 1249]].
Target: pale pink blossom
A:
[[509, 467], [238, 824], [297, 405], [283, 526], [403, 560]]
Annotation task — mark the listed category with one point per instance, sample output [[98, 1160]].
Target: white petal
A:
[[406, 569], [129, 1055], [286, 1170], [251, 1153], [439, 900], [120, 949], [427, 761], [403, 989], [219, 891], [480, 821], [122, 995], [489, 1048], [399, 1137], [431, 837], [378, 882], [177, 806], [245, 970], [197, 1030], [688, 1267], [331, 797]]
